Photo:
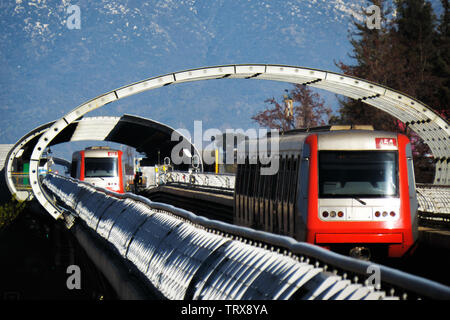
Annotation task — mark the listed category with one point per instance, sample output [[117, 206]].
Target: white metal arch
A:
[[425, 122], [20, 195]]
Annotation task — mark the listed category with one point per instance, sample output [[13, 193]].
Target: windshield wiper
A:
[[359, 200]]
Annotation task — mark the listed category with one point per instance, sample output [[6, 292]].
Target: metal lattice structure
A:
[[433, 129], [434, 199], [224, 181]]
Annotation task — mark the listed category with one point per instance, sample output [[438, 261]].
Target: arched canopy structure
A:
[[433, 129], [147, 136]]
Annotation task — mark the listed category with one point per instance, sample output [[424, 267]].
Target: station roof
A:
[[145, 135]]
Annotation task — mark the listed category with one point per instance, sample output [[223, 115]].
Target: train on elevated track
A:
[[100, 166], [347, 189]]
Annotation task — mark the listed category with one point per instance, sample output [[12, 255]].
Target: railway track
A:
[[212, 203]]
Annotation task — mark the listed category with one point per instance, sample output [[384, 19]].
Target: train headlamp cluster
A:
[[333, 214], [343, 214], [384, 214]]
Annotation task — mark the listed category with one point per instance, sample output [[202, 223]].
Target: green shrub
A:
[[9, 211]]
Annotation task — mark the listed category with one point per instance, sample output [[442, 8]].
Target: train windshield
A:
[[358, 174], [100, 167]]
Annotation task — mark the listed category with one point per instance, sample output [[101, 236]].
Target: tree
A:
[[378, 59], [417, 35], [10, 211], [441, 61], [308, 110], [410, 53]]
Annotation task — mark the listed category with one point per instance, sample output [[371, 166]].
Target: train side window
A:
[[269, 186], [295, 168], [73, 168], [279, 180], [263, 191], [289, 180], [251, 182], [237, 187], [241, 178], [284, 179], [261, 181], [257, 195], [255, 180], [294, 178], [275, 178], [79, 173], [258, 180], [246, 177]]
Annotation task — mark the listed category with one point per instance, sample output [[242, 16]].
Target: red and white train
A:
[[99, 166], [352, 191]]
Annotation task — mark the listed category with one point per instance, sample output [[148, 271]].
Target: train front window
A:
[[358, 174], [100, 167]]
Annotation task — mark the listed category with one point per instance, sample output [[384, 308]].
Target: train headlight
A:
[[340, 214], [385, 214], [333, 214], [325, 214]]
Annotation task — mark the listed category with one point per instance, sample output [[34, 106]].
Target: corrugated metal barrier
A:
[[434, 198], [190, 257]]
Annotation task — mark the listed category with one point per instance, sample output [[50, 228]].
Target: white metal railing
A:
[[225, 181], [433, 199]]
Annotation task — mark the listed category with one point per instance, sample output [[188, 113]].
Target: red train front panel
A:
[[358, 192], [102, 168]]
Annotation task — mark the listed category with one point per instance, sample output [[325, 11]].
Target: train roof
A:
[[340, 138], [99, 152], [357, 140]]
